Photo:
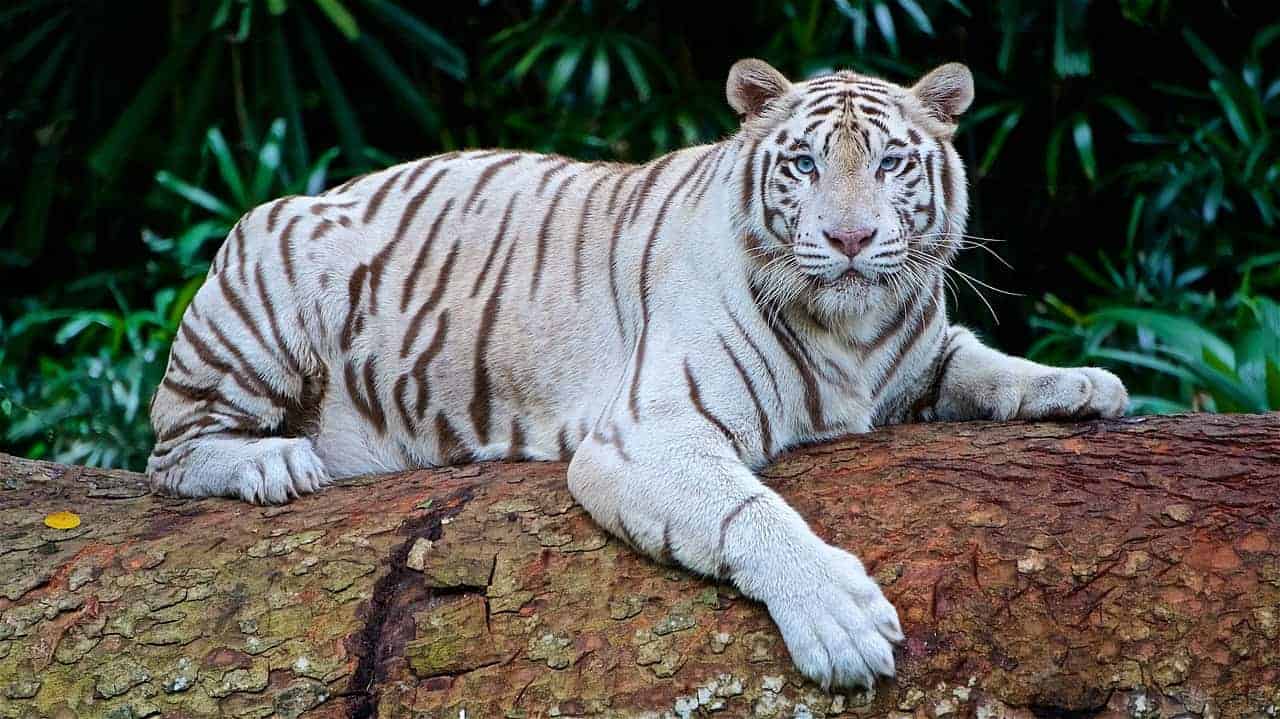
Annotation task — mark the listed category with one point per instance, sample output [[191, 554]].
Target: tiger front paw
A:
[[837, 624], [1024, 390], [1076, 393]]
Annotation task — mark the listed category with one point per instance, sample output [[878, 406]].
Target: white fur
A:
[[668, 401]]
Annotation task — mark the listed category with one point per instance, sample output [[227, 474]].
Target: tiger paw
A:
[[837, 624], [283, 469], [1072, 394]]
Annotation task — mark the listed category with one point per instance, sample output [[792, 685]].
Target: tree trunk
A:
[[1129, 567]]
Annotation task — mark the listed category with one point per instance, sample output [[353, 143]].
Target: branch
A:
[[1130, 567]]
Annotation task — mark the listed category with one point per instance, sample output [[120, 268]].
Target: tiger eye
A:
[[804, 163]]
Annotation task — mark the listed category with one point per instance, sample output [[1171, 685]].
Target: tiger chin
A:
[[667, 328]]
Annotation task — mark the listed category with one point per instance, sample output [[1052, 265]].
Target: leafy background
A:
[[1123, 156]]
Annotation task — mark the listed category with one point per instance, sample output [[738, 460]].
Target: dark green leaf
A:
[[1070, 47], [40, 184], [290, 96], [341, 17], [1212, 200], [998, 139], [82, 321], [1202, 51], [1089, 273], [1126, 111], [598, 82], [442, 53], [1234, 117], [1082, 134], [884, 21], [918, 15], [318, 177], [562, 71], [1273, 383], [335, 96], [639, 80], [1180, 333], [196, 195], [1135, 218], [19, 50], [230, 174], [1147, 404], [1143, 361], [403, 89], [111, 151], [527, 61]]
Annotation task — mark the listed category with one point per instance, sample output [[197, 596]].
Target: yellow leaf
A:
[[62, 520]]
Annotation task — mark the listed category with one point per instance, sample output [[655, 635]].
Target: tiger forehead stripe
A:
[[879, 125], [824, 98]]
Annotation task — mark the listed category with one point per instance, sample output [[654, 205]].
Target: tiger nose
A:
[[850, 242]]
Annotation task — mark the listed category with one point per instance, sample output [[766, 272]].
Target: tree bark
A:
[[1122, 568]]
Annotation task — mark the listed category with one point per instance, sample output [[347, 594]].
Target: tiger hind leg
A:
[[267, 470], [240, 402]]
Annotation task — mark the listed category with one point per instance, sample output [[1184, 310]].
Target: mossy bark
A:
[[1120, 568]]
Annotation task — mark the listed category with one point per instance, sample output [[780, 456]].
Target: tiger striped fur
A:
[[669, 327]]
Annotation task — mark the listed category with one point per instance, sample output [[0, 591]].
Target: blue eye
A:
[[804, 163], [890, 162]]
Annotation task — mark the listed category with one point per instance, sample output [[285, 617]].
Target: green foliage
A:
[[259, 58], [90, 408], [1182, 364], [1131, 144], [1204, 197], [84, 399], [265, 180]]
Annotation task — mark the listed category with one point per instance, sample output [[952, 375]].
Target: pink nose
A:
[[850, 242]]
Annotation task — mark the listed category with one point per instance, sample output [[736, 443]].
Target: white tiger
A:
[[669, 327]]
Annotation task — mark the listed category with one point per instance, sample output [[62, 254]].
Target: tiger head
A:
[[851, 192]]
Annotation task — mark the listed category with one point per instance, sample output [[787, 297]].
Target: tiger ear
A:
[[946, 92], [752, 84]]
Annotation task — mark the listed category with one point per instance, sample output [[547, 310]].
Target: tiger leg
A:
[[977, 382], [239, 403], [680, 494]]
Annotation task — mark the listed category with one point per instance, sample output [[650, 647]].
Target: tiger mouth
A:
[[844, 280], [853, 279]]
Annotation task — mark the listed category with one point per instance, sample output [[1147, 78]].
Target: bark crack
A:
[[391, 603]]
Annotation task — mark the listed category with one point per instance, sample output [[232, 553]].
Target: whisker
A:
[[968, 279], [976, 238], [988, 250], [962, 273]]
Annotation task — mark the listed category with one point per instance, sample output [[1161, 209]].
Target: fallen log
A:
[[1121, 568]]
